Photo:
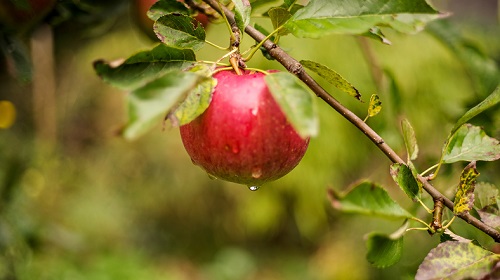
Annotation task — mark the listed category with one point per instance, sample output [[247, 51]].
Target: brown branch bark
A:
[[294, 67]]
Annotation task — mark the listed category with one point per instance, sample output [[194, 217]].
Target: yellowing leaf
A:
[[375, 105], [464, 198]]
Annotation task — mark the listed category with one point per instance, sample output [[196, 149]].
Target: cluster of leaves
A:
[[168, 80]]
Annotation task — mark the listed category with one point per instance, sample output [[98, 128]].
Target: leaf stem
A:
[[216, 46], [257, 47], [429, 169], [294, 67]]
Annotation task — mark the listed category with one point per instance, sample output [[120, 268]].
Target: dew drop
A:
[[235, 149], [253, 188], [255, 111], [212, 177], [256, 172]]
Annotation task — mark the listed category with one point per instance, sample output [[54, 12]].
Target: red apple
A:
[[243, 136]]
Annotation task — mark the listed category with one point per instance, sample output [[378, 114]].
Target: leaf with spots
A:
[[180, 31], [464, 198], [332, 77], [374, 106], [296, 102], [457, 260]]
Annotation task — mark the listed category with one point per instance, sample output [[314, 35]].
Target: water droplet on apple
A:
[[253, 188], [255, 111], [256, 172], [212, 177]]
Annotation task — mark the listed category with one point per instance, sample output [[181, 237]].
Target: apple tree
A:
[[251, 126]]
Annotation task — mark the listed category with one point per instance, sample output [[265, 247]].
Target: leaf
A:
[[180, 31], [384, 250], [18, 56], [410, 140], [368, 199], [242, 11], [483, 70], [332, 77], [490, 101], [486, 195], [403, 176], [161, 8], [376, 33], [289, 3], [470, 143], [144, 67], [464, 198], [319, 17], [198, 99], [487, 200], [278, 17], [7, 114], [456, 260], [296, 102], [148, 105], [374, 106]]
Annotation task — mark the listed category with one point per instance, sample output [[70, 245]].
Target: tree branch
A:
[[294, 67]]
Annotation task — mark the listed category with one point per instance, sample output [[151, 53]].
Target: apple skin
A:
[[243, 136]]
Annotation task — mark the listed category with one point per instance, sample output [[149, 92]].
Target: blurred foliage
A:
[[93, 206]]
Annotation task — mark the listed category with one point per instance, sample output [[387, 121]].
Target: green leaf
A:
[[470, 143], [332, 77], [483, 70], [319, 17], [384, 250], [403, 176], [296, 102], [148, 105], [369, 199], [490, 101], [464, 198], [457, 260], [180, 31], [242, 11], [17, 53], [144, 67], [161, 8], [376, 33], [410, 140], [374, 106], [278, 17], [289, 3], [198, 99]]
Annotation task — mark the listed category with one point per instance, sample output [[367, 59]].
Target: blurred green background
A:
[[79, 202]]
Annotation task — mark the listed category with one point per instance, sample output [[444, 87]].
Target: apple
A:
[[243, 136], [140, 9]]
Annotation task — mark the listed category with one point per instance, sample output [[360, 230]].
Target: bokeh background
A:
[[79, 202]]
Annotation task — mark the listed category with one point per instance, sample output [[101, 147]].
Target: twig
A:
[[294, 67]]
